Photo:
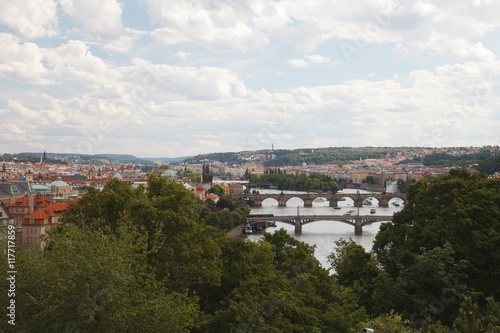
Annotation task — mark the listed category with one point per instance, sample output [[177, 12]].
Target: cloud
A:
[[22, 62], [317, 59], [98, 19], [183, 55], [298, 63], [29, 18], [217, 26]]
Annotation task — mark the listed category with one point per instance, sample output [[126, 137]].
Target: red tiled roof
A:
[[53, 210], [39, 200]]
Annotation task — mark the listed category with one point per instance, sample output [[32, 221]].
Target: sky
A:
[[169, 78]]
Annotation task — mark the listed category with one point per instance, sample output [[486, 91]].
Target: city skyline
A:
[[156, 78]]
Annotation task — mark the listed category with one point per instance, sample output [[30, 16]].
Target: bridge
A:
[[255, 200], [357, 221]]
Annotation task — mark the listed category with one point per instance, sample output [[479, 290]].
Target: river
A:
[[323, 234]]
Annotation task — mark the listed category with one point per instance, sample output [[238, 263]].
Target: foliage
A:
[[389, 323], [471, 320], [490, 166], [403, 185], [89, 281], [230, 158], [439, 160], [150, 260], [355, 268], [302, 182], [336, 155], [442, 244]]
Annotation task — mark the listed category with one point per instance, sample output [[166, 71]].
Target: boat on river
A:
[[248, 229], [373, 211]]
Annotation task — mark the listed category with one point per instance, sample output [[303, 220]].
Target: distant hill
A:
[[121, 158]]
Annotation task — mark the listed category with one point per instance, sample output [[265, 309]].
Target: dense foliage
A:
[[230, 158], [302, 182], [146, 260], [143, 260], [438, 160], [340, 155], [20, 158], [225, 214], [490, 166], [442, 247]]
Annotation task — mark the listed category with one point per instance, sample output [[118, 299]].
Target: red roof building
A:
[[36, 224]]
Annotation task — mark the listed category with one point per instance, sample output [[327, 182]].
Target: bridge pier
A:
[[281, 203], [298, 225], [257, 203], [358, 227], [308, 203], [383, 202]]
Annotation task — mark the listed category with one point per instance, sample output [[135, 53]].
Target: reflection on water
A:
[[323, 234]]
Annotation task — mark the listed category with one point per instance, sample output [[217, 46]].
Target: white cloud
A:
[[298, 63], [183, 55], [124, 43], [99, 71], [98, 18], [217, 26], [22, 62], [29, 18], [317, 59]]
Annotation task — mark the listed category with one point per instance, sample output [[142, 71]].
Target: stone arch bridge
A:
[[357, 221], [255, 200]]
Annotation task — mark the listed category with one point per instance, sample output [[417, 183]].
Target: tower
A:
[[29, 172], [206, 176], [44, 157]]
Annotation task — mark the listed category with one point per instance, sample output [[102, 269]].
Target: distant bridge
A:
[[357, 221], [255, 200]]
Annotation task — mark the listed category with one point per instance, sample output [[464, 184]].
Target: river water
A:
[[323, 234]]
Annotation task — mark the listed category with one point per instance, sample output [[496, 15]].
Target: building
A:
[[5, 221], [391, 186], [206, 176], [11, 191], [60, 189], [26, 206], [235, 189], [36, 224]]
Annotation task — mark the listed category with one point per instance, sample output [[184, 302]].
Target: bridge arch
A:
[[397, 200], [294, 201], [373, 201], [320, 201], [270, 201], [345, 201]]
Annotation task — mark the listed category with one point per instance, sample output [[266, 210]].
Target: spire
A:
[[44, 158]]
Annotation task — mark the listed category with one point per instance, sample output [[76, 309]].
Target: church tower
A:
[[29, 172], [206, 176]]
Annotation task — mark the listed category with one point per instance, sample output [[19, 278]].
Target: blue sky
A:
[[174, 78]]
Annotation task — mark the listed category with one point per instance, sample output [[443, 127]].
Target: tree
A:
[[370, 180], [354, 267], [460, 209], [471, 320], [92, 282], [217, 189]]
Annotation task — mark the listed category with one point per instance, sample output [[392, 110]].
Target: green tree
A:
[[461, 210], [355, 268], [370, 180], [92, 282], [217, 189]]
